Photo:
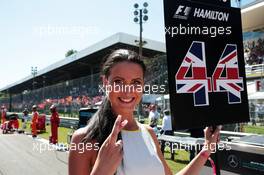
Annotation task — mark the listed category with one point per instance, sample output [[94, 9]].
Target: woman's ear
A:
[[105, 81], [105, 84]]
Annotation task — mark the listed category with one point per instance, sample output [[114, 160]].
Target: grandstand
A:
[[253, 28], [73, 82]]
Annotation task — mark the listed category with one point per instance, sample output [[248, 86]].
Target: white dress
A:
[[140, 154]]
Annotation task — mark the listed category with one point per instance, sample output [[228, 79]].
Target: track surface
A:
[[20, 154]]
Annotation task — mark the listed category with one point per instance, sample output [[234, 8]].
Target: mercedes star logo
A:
[[232, 161]]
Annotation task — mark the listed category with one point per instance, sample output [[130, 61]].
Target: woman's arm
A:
[[194, 167], [80, 160]]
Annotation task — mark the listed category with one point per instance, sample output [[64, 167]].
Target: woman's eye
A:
[[137, 83], [118, 82]]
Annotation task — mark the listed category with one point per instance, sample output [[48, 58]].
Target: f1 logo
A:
[[182, 12]]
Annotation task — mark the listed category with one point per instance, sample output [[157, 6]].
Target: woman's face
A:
[[125, 87]]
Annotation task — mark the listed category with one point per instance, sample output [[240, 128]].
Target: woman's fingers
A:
[[115, 130], [212, 136], [209, 131], [118, 126], [216, 134], [218, 139], [111, 152], [119, 145]]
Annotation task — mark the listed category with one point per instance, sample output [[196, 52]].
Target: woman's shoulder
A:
[[79, 134], [87, 147], [82, 155]]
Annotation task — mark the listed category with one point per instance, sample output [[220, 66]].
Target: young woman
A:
[[115, 142]]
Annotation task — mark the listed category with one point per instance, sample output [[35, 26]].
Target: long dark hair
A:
[[101, 124]]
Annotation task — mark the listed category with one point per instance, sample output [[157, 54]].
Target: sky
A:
[[38, 33]]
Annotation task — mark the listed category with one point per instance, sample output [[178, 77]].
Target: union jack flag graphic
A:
[[230, 82], [198, 83]]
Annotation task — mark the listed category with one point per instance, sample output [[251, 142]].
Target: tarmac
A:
[[21, 154]]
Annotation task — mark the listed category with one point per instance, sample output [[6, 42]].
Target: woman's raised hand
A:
[[212, 137], [111, 152]]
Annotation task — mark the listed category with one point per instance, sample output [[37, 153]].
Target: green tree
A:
[[70, 52]]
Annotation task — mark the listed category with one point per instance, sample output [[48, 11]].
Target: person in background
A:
[[153, 116], [166, 127], [54, 122], [254, 122], [252, 109], [34, 121], [3, 114], [25, 118]]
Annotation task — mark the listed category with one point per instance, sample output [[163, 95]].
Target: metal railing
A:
[[254, 70]]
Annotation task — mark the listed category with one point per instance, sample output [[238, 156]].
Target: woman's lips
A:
[[126, 100]]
